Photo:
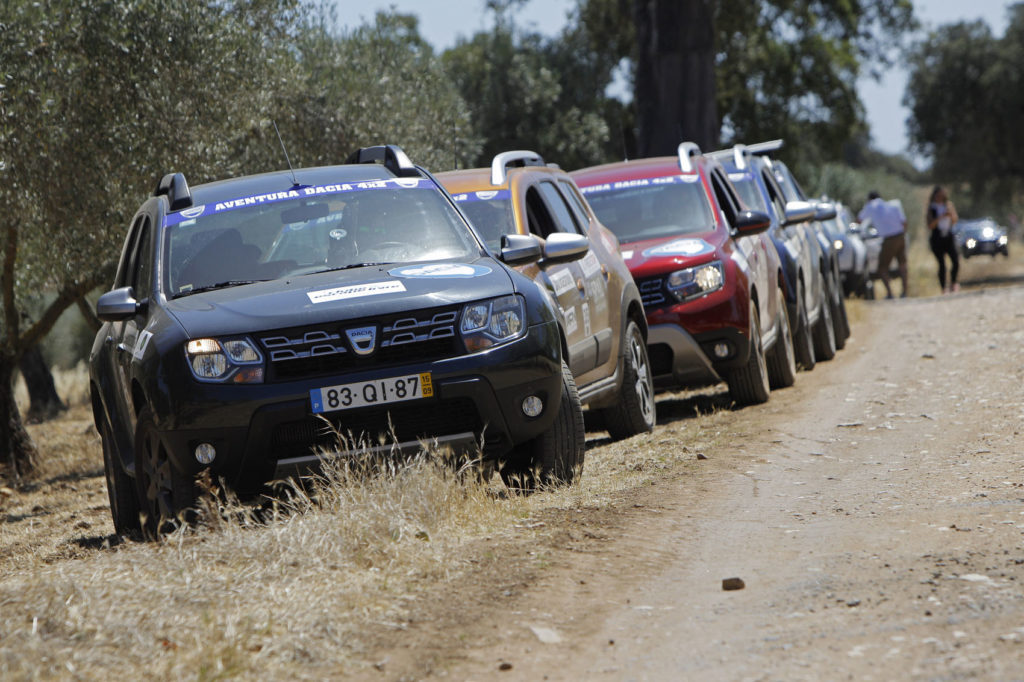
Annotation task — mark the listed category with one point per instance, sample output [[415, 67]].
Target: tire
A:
[[555, 457], [124, 499], [803, 345], [635, 411], [166, 497], [782, 359], [749, 385], [840, 324], [824, 332]]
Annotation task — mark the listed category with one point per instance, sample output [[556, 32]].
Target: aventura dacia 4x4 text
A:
[[248, 313]]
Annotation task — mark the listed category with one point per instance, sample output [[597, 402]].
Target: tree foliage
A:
[[966, 97], [527, 91]]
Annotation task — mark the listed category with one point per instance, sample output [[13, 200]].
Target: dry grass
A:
[[288, 597]]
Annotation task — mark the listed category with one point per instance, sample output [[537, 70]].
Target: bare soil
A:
[[874, 513]]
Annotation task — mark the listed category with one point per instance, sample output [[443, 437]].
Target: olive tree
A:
[[97, 100]]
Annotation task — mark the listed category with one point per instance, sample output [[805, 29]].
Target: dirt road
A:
[[874, 513]]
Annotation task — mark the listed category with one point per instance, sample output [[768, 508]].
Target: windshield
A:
[[749, 192], [311, 230], [491, 214], [647, 209]]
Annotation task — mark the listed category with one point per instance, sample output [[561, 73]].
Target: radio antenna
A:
[[295, 181]]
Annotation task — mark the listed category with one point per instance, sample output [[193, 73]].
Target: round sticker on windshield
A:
[[680, 247], [338, 234], [439, 270]]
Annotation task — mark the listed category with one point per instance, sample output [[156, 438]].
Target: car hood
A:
[[655, 256], [341, 295]]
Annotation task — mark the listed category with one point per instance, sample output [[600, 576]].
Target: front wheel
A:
[[634, 412], [124, 499], [166, 497], [555, 457], [749, 384], [803, 345], [782, 361], [824, 331]]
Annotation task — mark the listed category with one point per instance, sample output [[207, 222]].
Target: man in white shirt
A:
[[891, 223]]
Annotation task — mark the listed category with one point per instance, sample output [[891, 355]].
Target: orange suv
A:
[[601, 314]]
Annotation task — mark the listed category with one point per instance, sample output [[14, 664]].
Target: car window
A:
[[538, 217], [492, 217], [565, 221], [142, 262], [652, 207], [575, 203], [126, 267], [726, 199], [382, 222]]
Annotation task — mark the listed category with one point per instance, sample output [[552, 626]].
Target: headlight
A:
[[838, 245], [696, 281], [490, 323], [971, 243], [225, 360], [1002, 239]]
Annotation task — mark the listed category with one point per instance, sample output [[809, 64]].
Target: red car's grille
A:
[[652, 292]]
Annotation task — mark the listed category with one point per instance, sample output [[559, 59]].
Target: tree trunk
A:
[[44, 403], [17, 451], [675, 75]]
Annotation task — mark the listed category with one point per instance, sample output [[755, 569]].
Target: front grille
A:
[[652, 292], [368, 425], [424, 335]]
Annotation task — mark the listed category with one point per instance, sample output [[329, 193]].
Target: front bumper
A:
[[263, 432], [682, 338]]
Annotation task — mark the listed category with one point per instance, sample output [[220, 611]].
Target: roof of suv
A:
[[686, 162]]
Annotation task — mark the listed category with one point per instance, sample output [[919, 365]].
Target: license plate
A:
[[369, 393]]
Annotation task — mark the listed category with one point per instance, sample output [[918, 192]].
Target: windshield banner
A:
[[640, 182], [291, 194]]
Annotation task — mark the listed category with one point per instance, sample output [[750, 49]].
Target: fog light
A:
[[722, 350], [532, 406], [205, 453]]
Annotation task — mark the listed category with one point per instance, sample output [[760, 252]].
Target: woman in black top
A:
[[941, 216]]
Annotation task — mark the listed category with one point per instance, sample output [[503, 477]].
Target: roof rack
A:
[[391, 155], [686, 151], [739, 154], [765, 147], [175, 188], [519, 158]]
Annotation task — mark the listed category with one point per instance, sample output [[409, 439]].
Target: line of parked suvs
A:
[[254, 321]]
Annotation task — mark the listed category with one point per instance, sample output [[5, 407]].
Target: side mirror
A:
[[825, 211], [520, 249], [563, 247], [799, 212], [117, 305], [749, 223]]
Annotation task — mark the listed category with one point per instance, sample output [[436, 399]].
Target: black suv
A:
[[254, 319]]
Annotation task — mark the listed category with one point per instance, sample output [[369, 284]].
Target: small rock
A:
[[546, 635], [701, 455], [927, 356], [505, 666], [853, 602], [849, 425], [730, 584]]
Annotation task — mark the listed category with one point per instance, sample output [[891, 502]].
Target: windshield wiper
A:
[[219, 285], [350, 266]]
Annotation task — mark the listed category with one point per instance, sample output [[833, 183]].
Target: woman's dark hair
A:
[[935, 191]]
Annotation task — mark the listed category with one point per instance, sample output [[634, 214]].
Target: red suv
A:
[[709, 277]]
